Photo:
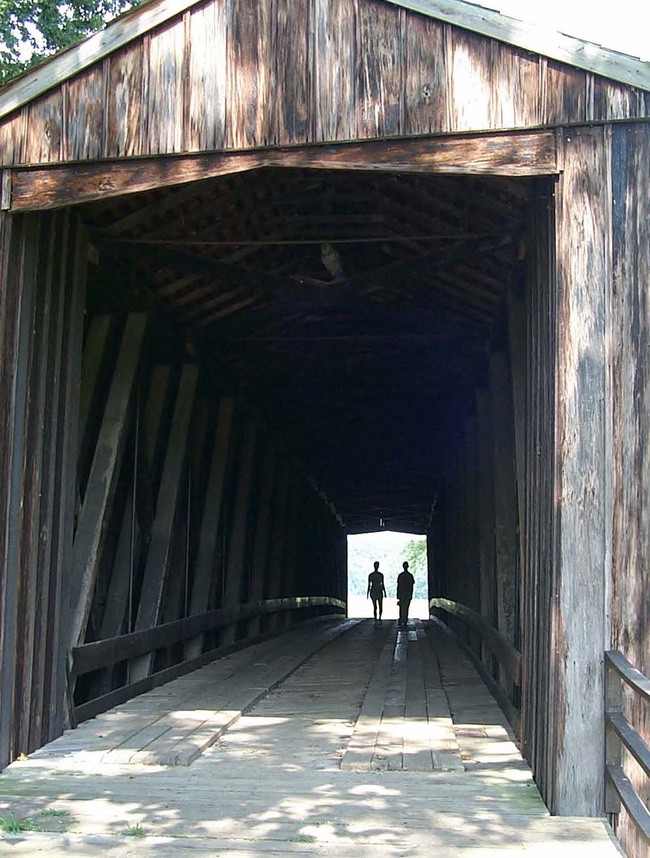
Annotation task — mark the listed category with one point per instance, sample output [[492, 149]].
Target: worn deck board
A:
[[273, 783]]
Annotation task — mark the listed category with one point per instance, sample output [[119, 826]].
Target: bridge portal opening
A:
[[390, 549], [296, 357]]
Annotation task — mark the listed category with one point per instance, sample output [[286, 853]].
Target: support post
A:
[[235, 576], [162, 532]]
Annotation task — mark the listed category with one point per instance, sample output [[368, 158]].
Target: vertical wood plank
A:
[[504, 496], [95, 354], [514, 83], [425, 76], [469, 65], [333, 62], [290, 72], [262, 527], [205, 572], [487, 558], [566, 95], [584, 270], [249, 73], [18, 323], [84, 102], [235, 570], [165, 89], [277, 535], [12, 134], [630, 172], [42, 143], [124, 108], [162, 532], [59, 616], [207, 83], [380, 70], [93, 517], [134, 535], [517, 353]]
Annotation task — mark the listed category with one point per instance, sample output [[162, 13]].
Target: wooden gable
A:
[[240, 74]]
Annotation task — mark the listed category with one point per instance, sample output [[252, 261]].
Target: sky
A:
[[622, 25]]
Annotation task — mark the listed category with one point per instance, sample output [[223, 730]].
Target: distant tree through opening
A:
[[390, 549]]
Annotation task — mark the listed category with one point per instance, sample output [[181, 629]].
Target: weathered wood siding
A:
[[539, 524], [240, 74], [630, 390], [42, 278]]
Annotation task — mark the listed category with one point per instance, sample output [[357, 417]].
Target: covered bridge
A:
[[276, 271]]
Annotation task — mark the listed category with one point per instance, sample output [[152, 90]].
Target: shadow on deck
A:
[[337, 738]]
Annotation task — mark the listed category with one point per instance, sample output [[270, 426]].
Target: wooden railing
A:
[[106, 653], [620, 734], [505, 653]]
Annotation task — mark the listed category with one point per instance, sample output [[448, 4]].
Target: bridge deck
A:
[[335, 739]]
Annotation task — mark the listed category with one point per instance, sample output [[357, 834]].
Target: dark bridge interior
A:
[[353, 313]]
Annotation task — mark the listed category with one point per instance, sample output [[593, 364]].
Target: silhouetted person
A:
[[405, 584], [376, 591]]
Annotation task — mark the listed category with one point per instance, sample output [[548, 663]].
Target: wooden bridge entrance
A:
[[335, 739], [277, 271]]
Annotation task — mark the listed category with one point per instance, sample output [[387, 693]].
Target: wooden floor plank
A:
[[274, 783]]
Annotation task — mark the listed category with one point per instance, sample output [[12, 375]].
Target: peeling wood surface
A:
[[630, 573], [241, 74], [515, 154], [584, 272]]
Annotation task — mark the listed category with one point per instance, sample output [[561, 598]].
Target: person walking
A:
[[405, 584], [376, 591]]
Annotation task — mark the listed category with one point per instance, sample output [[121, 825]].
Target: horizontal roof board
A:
[[567, 49]]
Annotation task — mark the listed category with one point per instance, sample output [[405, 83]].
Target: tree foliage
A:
[[31, 30], [416, 554]]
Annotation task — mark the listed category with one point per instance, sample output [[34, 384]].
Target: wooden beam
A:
[[234, 583], [487, 560], [19, 282], [205, 572], [505, 501], [57, 717], [94, 355], [260, 554], [515, 153], [95, 511], [584, 271], [162, 533], [136, 523]]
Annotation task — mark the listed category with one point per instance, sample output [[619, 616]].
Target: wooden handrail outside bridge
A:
[[508, 657], [619, 733]]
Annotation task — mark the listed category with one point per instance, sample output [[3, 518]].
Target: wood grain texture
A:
[[333, 60], [584, 271], [291, 74], [93, 517], [207, 81], [84, 125], [380, 71], [540, 507], [43, 130], [125, 103], [239, 74], [165, 93], [630, 617], [249, 74], [519, 153], [425, 77]]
